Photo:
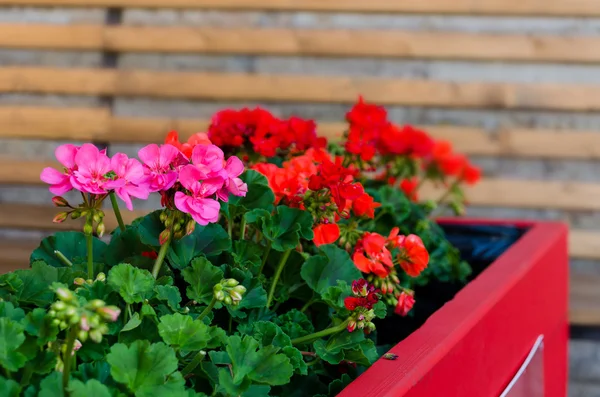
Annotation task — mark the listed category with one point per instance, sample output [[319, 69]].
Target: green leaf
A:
[[248, 254], [99, 370], [201, 277], [173, 387], [218, 337], [71, 244], [260, 365], [295, 324], [126, 247], [169, 294], [351, 346], [51, 386], [133, 284], [133, 323], [338, 385], [44, 362], [227, 385], [325, 270], [39, 325], [10, 283], [11, 338], [257, 391], [380, 309], [335, 295], [9, 387], [8, 310], [37, 281], [259, 195], [209, 240], [142, 367], [184, 334], [149, 228], [92, 388], [286, 226]]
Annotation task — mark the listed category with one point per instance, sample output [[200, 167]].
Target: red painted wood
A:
[[474, 344]]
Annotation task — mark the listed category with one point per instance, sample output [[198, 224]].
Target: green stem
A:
[[230, 227], [278, 271], [448, 192], [243, 228], [115, 206], [194, 363], [68, 359], [308, 304], [90, 255], [63, 258], [230, 324], [126, 313], [161, 257], [317, 335], [264, 261], [208, 308]]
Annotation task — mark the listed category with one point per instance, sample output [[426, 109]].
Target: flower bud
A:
[[64, 294], [163, 217], [109, 313], [164, 236], [218, 287], [227, 300], [190, 226], [60, 217], [70, 311], [351, 326], [95, 335], [220, 295], [230, 282], [100, 229], [96, 217], [235, 303], [79, 281], [240, 289], [74, 319], [88, 228], [62, 325], [60, 201], [101, 277], [96, 304], [168, 222], [176, 227], [76, 214], [235, 296], [55, 322], [82, 335], [84, 323], [186, 310]]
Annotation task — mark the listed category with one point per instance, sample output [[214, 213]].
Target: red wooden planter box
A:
[[475, 344]]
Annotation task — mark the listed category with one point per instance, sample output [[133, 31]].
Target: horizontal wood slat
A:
[[584, 300], [89, 124], [298, 88], [363, 43], [482, 7]]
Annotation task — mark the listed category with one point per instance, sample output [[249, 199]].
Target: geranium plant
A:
[[265, 272]]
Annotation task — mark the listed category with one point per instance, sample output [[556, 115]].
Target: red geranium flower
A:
[[470, 174], [365, 206], [326, 233], [405, 304], [371, 255], [339, 180], [413, 256], [199, 138]]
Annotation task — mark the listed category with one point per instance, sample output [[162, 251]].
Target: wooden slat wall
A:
[[102, 124]]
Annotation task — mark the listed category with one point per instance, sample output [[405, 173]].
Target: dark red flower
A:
[[365, 295], [150, 254]]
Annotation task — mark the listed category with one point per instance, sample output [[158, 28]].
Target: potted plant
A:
[[276, 267]]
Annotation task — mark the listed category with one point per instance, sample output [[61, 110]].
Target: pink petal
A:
[[65, 154], [210, 186], [140, 192], [181, 202], [189, 177], [234, 166], [118, 163], [61, 188], [123, 195], [167, 155], [210, 156], [52, 176], [149, 155]]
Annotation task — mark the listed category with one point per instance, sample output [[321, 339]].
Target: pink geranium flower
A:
[[209, 159], [92, 167], [158, 161], [233, 185], [60, 182], [130, 179], [203, 210]]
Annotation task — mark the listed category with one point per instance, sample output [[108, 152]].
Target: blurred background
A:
[[513, 83]]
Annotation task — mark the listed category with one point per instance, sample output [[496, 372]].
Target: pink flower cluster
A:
[[197, 183]]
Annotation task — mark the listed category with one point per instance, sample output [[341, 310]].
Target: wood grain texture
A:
[[298, 88], [333, 42], [584, 300], [480, 7]]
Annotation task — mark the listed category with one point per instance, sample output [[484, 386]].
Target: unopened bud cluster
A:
[[389, 285], [93, 216], [79, 281], [177, 225], [362, 318], [229, 291], [89, 320]]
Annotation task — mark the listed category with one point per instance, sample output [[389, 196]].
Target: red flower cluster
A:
[[445, 161], [265, 134], [199, 138], [412, 257], [316, 183], [372, 256], [365, 295], [405, 303]]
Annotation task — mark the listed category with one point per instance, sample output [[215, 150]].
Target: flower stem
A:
[[278, 271], [208, 309], [448, 192], [161, 257], [90, 255], [326, 332], [308, 304], [63, 258], [194, 363], [115, 206], [264, 261], [67, 359], [243, 228], [230, 227]]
